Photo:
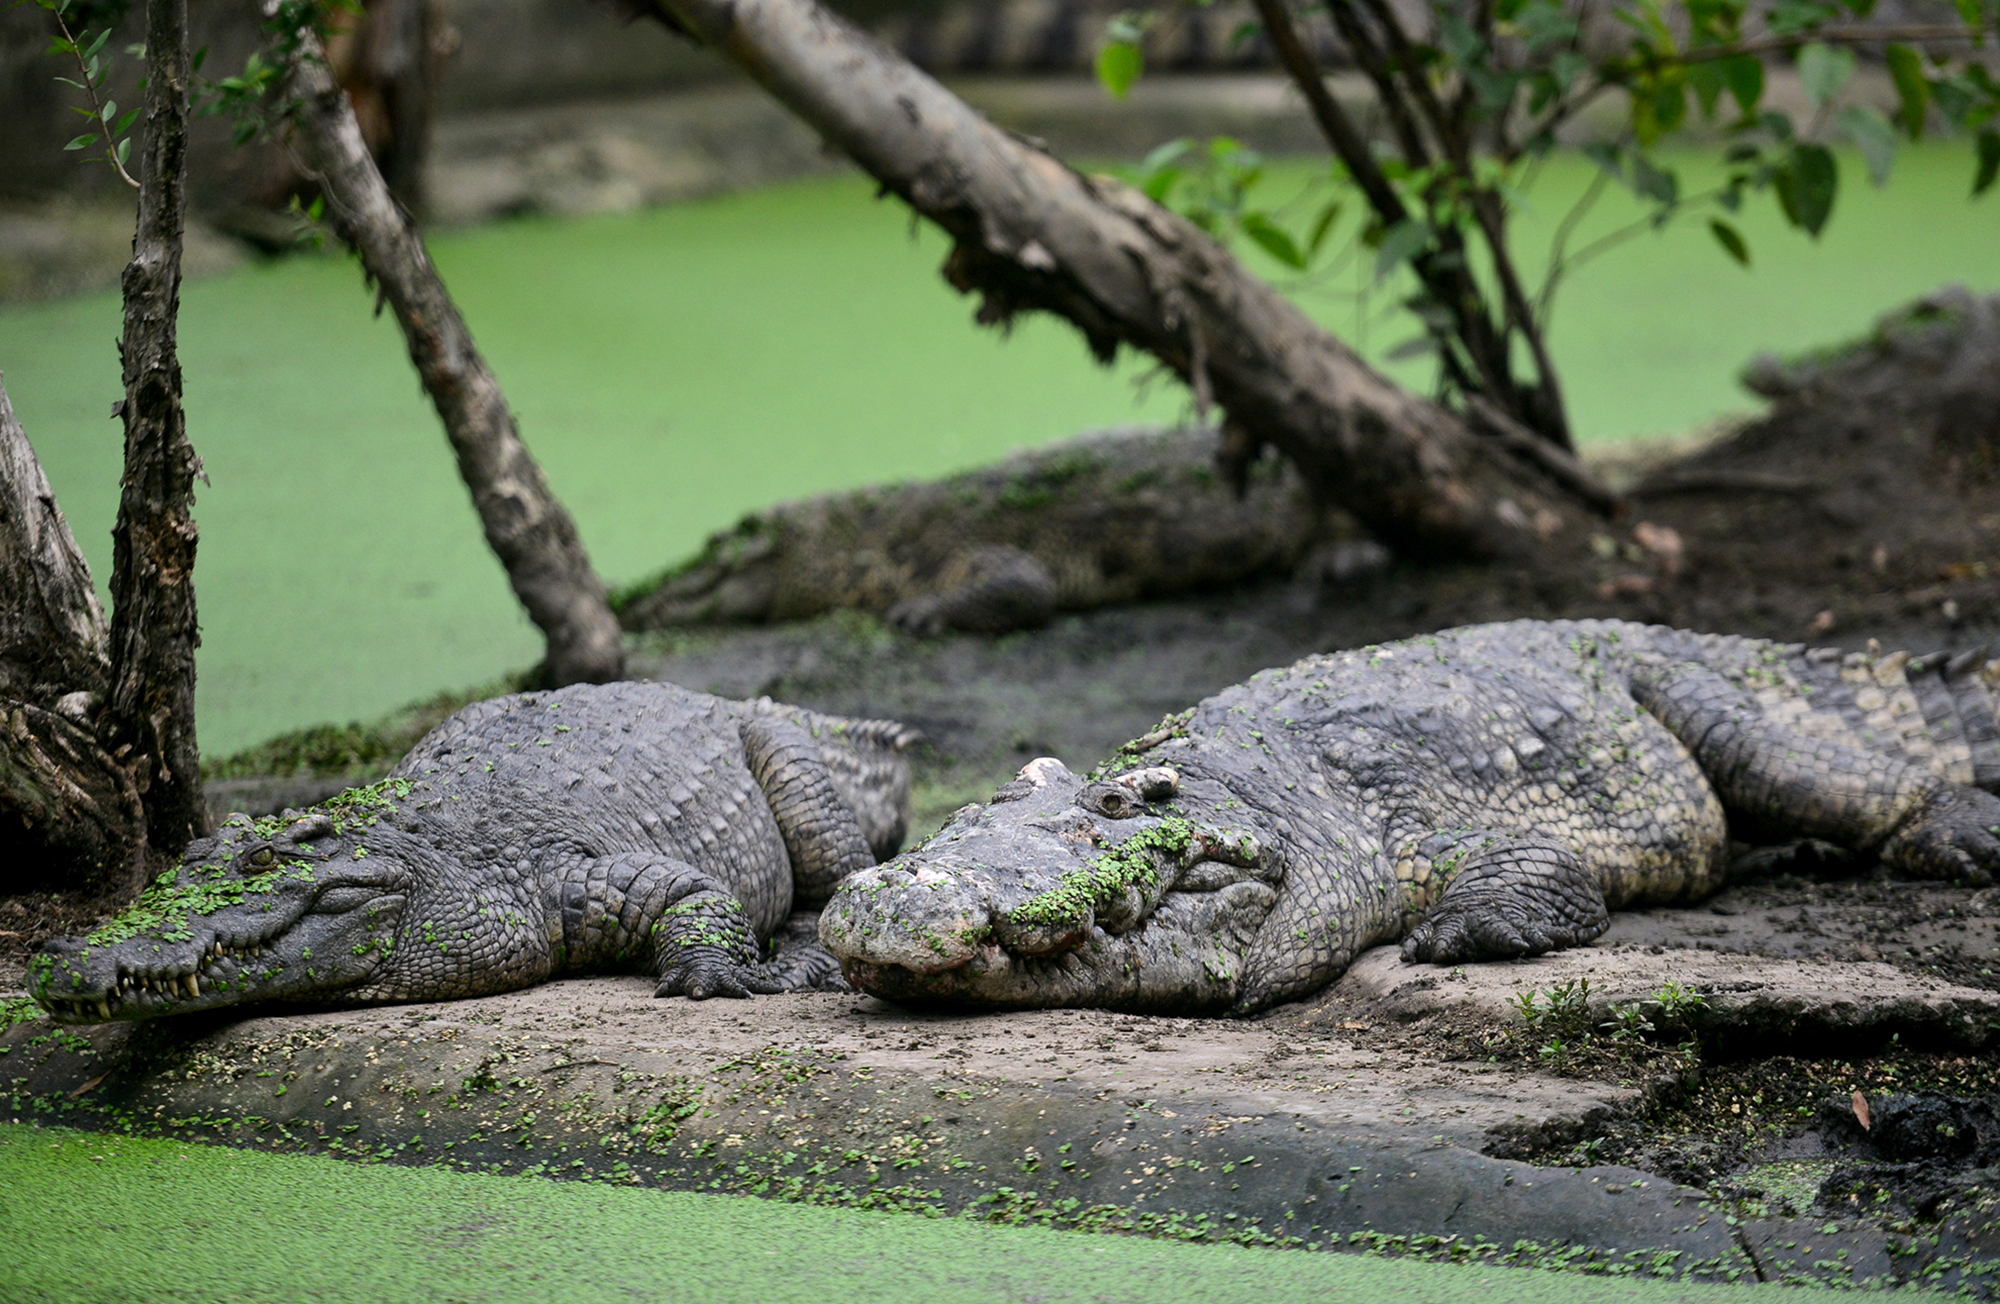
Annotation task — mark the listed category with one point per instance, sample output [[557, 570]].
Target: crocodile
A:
[[1109, 517], [1485, 792], [627, 826]]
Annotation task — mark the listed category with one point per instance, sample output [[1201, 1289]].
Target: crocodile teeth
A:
[[103, 1010], [189, 985]]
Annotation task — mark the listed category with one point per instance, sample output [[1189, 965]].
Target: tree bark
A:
[[69, 816], [525, 525], [52, 640], [149, 721], [1030, 233]]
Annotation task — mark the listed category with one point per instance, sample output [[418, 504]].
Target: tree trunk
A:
[[149, 721], [1030, 233], [525, 526], [51, 626], [69, 816], [401, 61]]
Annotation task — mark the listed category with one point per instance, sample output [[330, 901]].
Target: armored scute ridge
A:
[[626, 826], [1486, 792]]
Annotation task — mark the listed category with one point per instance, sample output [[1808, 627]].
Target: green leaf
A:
[[1272, 239], [1400, 242], [1790, 17], [1322, 225], [1962, 100], [1823, 70], [1745, 74], [1871, 132], [1566, 67], [109, 111], [1708, 82], [1969, 11], [124, 150], [1118, 66], [125, 123], [1245, 32], [97, 44], [1906, 69], [84, 141], [200, 57], [1989, 161], [1162, 155], [1660, 185], [1806, 183], [1730, 239], [1543, 23]]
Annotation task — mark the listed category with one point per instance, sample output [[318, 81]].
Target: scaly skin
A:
[[1109, 517], [624, 826], [1485, 792]]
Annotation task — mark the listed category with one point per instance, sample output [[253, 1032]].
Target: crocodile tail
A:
[[1959, 695]]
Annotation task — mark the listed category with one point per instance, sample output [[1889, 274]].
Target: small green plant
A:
[[1628, 1023], [1678, 1002]]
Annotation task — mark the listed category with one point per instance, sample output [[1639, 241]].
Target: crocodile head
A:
[[303, 907], [1124, 893]]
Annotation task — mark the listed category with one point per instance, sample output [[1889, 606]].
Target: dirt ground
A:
[[1864, 507]]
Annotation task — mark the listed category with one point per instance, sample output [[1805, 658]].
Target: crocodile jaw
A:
[[249, 914]]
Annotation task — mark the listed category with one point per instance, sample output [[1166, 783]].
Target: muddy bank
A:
[[1367, 1119]]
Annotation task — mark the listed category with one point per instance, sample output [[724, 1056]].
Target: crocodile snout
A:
[[925, 920]]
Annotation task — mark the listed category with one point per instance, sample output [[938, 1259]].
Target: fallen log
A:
[[1030, 233]]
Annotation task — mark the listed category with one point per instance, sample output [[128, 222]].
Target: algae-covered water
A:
[[675, 368], [96, 1219]]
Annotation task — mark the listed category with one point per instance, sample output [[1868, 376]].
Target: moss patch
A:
[[1132, 863]]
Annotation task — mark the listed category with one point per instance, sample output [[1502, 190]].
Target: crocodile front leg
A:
[[1505, 895], [628, 909]]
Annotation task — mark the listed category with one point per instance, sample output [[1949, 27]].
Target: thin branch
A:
[[1411, 66], [1381, 71], [96, 105], [1559, 244], [1339, 130], [1612, 239]]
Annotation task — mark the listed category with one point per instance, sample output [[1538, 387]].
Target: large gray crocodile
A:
[[1485, 792], [624, 826], [1109, 517]]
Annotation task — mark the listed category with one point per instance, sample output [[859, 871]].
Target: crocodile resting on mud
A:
[[633, 826], [1104, 518], [1486, 792]]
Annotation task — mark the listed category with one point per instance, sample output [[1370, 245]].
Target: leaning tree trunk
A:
[[525, 526], [1030, 233], [69, 815], [149, 710]]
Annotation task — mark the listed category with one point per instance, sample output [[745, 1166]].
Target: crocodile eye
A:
[[262, 856], [1111, 800]]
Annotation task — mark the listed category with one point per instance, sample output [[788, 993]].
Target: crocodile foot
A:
[[1955, 836], [1511, 897]]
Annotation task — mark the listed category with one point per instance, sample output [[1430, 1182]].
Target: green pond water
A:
[[675, 368], [93, 1219]]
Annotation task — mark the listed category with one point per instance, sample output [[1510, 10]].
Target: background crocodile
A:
[[1484, 792], [631, 825], [1104, 518]]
